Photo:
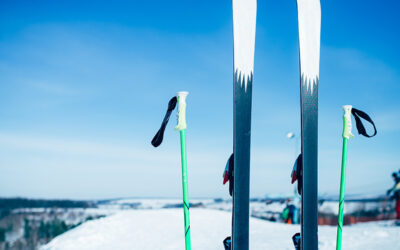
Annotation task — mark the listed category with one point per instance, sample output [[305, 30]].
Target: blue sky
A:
[[84, 86]]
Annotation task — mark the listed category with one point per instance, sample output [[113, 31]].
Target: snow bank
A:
[[163, 229]]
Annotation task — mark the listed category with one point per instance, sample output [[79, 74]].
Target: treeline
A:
[[12, 203], [38, 229]]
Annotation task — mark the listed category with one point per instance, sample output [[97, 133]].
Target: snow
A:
[[163, 229]]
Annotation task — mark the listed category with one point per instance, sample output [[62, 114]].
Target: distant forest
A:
[[12, 203]]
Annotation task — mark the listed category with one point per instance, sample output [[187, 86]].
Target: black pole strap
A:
[[158, 138], [360, 126]]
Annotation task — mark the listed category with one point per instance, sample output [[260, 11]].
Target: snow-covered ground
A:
[[163, 229]]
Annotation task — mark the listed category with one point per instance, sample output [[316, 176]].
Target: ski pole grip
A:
[[181, 110], [347, 122]]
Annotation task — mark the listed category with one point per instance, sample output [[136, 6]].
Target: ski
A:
[[244, 29], [309, 22]]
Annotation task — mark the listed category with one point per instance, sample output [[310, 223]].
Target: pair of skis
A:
[[238, 167]]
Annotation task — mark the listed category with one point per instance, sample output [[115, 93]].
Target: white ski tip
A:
[[244, 33]]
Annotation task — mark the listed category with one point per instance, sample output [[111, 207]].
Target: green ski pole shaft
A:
[[185, 189], [182, 130], [341, 196], [346, 136]]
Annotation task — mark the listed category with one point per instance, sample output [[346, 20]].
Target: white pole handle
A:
[[347, 122], [181, 110]]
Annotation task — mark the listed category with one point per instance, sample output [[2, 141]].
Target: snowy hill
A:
[[163, 229]]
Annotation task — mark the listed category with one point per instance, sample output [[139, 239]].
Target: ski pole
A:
[[348, 110], [181, 96], [346, 136]]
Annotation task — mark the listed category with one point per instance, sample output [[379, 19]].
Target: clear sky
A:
[[84, 86]]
